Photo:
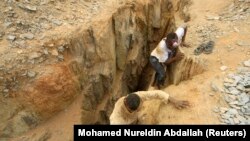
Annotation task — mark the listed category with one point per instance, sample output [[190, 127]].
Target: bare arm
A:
[[170, 60], [179, 55]]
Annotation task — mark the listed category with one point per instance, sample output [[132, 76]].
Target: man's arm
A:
[[170, 60], [153, 94], [179, 55], [161, 95], [179, 104], [183, 43]]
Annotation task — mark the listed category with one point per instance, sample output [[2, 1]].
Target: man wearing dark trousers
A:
[[167, 52]]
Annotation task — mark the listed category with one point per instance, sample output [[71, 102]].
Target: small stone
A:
[[216, 110], [242, 43], [213, 18], [45, 51], [57, 22], [60, 57], [214, 87], [54, 52], [51, 45], [226, 121], [231, 121], [225, 116], [58, 7], [227, 80], [228, 85], [236, 29], [227, 99], [60, 49], [11, 37], [235, 92], [8, 24], [41, 59], [34, 55], [32, 61], [234, 107], [236, 120], [234, 103], [233, 97], [223, 110], [243, 98], [46, 26], [243, 69], [31, 74], [223, 68], [240, 87], [237, 79], [211, 94], [246, 63], [1, 34], [6, 90], [27, 36], [28, 7]]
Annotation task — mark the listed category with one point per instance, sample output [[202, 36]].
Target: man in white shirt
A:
[[128, 108], [167, 52]]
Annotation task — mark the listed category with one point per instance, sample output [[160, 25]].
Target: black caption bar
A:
[[241, 132]]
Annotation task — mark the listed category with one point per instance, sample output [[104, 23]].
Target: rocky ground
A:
[[220, 95], [27, 26], [236, 83], [27, 31], [236, 94], [226, 23]]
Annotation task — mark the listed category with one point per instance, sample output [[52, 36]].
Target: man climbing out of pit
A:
[[167, 52], [128, 108]]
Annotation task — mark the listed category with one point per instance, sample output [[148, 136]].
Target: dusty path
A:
[[197, 90]]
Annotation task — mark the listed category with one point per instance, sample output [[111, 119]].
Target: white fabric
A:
[[161, 51], [180, 33]]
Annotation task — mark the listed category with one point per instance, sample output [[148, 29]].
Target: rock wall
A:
[[132, 33], [128, 34]]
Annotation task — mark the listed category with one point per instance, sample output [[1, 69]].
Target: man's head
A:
[[172, 40], [132, 102]]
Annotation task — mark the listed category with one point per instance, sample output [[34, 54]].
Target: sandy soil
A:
[[197, 90]]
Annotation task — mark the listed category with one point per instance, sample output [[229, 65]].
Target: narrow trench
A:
[[137, 73], [176, 73]]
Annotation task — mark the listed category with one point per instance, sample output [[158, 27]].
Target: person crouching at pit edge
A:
[[127, 108], [167, 52]]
